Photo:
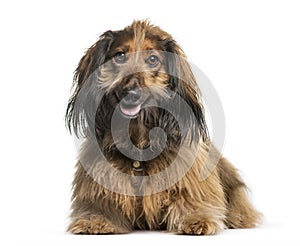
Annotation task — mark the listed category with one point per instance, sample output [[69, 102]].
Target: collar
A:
[[137, 166]]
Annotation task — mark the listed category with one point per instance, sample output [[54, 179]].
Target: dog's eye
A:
[[152, 61], [120, 57]]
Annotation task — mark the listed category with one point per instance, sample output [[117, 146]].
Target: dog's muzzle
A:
[[131, 103]]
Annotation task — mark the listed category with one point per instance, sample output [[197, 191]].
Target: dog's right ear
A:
[[94, 57]]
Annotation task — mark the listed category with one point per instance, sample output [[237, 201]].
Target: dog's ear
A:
[[94, 57], [184, 84]]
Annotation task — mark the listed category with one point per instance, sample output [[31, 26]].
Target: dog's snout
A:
[[132, 96], [133, 81]]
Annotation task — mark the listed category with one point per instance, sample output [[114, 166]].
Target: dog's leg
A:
[[204, 222], [213, 204], [201, 207], [95, 224], [93, 211], [241, 213]]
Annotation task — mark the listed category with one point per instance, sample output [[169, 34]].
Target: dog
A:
[[138, 111]]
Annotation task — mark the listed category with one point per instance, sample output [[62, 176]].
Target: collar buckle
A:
[[137, 166]]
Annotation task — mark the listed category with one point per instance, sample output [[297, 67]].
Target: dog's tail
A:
[[241, 213]]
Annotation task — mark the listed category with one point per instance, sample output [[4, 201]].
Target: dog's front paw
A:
[[200, 227], [95, 225]]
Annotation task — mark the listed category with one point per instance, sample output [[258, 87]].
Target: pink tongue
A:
[[130, 111]]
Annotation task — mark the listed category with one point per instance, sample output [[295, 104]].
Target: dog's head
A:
[[136, 73]]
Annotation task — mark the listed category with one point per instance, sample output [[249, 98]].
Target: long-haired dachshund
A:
[[146, 160]]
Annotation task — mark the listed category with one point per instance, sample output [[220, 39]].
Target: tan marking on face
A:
[[137, 48], [134, 45], [139, 35], [158, 85]]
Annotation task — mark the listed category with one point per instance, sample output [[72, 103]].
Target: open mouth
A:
[[130, 110], [131, 103]]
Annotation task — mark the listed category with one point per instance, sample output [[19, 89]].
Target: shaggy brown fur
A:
[[189, 206]]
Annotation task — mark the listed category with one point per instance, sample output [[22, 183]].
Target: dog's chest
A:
[[149, 213]]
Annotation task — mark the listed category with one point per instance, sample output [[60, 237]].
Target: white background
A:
[[250, 50]]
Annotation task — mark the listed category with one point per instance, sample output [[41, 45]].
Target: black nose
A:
[[132, 97]]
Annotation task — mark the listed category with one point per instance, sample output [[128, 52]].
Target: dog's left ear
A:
[[183, 82]]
